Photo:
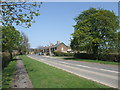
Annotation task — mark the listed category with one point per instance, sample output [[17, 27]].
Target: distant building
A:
[[60, 47]]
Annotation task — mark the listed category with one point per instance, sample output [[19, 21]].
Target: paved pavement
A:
[[21, 78], [101, 73]]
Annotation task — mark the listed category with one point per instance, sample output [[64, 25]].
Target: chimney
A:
[[58, 42]]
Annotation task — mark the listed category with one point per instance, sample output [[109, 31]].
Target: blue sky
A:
[[56, 21]]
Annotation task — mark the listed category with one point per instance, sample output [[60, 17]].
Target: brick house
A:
[[60, 47]]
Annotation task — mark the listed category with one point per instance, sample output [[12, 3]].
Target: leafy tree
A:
[[10, 38], [118, 43], [24, 45], [20, 13], [95, 30]]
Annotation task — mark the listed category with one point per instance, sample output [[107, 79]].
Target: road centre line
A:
[[65, 62], [94, 68], [98, 69], [97, 73]]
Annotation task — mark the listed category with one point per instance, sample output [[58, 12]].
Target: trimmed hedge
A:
[[63, 54], [110, 57], [103, 57], [5, 59]]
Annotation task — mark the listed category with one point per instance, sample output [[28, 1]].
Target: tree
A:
[[95, 30], [20, 13], [24, 45], [118, 43], [10, 39]]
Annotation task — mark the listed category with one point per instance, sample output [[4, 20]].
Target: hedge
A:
[[5, 59], [63, 54], [103, 57], [110, 57]]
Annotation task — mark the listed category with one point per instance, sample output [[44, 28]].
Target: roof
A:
[[56, 45]]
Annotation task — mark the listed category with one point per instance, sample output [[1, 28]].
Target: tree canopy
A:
[[95, 30], [19, 13], [10, 38]]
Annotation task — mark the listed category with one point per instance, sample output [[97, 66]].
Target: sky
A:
[[56, 21]]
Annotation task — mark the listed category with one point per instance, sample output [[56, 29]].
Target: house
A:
[[60, 47]]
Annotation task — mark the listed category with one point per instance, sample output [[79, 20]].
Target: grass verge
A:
[[45, 76], [7, 74], [93, 61]]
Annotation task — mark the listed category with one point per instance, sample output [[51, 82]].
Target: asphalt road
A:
[[101, 73]]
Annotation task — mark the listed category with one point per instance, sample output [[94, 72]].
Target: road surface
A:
[[101, 73]]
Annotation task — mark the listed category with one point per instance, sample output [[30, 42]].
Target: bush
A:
[[22, 53], [5, 59], [110, 57], [56, 53], [103, 57], [47, 53], [68, 54], [84, 56]]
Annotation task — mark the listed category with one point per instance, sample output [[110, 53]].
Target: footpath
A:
[[21, 78]]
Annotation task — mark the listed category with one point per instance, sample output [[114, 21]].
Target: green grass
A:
[[45, 76], [93, 61], [7, 74]]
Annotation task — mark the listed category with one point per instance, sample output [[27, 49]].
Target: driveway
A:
[[101, 73]]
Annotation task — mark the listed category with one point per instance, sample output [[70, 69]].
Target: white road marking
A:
[[65, 62], [97, 73], [94, 68], [98, 68]]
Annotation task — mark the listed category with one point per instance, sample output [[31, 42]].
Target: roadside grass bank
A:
[[93, 61], [45, 76], [7, 74]]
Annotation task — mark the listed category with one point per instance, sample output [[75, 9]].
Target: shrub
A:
[[47, 53], [56, 53], [103, 57], [84, 56], [68, 54], [5, 59], [110, 57]]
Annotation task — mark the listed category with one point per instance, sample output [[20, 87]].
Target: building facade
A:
[[60, 47]]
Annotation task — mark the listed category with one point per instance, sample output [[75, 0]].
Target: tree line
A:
[[16, 13], [13, 42]]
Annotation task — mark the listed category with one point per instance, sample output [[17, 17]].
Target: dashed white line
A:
[[64, 62], [98, 68]]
